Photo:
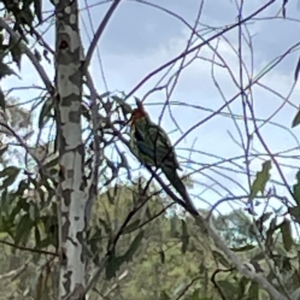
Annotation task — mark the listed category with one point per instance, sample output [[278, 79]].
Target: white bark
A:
[[71, 151]]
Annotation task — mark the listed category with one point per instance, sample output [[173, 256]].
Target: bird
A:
[[152, 146], [150, 143]]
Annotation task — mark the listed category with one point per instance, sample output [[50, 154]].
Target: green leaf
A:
[[242, 287], [15, 51], [2, 100], [296, 294], [296, 74], [243, 249], [228, 289], [23, 230], [112, 266], [38, 10], [38, 55], [6, 201], [269, 234], [173, 224], [164, 296], [53, 234], [261, 180], [34, 212], [115, 262], [3, 235], [85, 111], [195, 295], [179, 288], [6, 225], [52, 164], [1, 38], [11, 174], [184, 236], [253, 292], [39, 284], [132, 226], [26, 16], [45, 113], [21, 204], [133, 247], [45, 243], [105, 226], [296, 120], [5, 70], [23, 185], [286, 233], [9, 171], [3, 150], [37, 236], [296, 189], [94, 241], [221, 259], [162, 256], [295, 212]]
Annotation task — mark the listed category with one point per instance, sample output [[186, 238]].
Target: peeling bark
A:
[[71, 151]]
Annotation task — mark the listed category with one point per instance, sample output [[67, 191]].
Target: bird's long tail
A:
[[179, 186], [176, 181]]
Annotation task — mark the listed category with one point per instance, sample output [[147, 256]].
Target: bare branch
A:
[[98, 34], [195, 48], [16, 38], [28, 249]]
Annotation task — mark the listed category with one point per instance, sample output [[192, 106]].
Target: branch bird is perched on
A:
[[151, 144]]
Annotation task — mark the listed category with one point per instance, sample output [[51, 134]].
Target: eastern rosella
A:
[[150, 143]]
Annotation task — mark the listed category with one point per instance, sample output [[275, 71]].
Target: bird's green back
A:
[[153, 143]]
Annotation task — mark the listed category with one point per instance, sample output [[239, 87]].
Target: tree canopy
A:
[[83, 216]]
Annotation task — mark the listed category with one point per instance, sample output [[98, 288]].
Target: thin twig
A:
[[98, 34], [28, 249], [195, 48], [16, 38]]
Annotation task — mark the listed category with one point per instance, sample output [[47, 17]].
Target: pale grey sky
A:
[[139, 38]]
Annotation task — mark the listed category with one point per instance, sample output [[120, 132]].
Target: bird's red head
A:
[[138, 113]]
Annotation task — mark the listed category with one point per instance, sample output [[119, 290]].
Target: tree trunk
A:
[[71, 152]]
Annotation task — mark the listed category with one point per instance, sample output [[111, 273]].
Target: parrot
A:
[[152, 146]]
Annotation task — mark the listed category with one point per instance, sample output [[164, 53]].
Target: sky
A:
[[140, 38]]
